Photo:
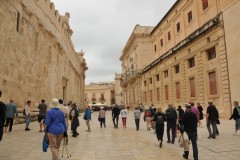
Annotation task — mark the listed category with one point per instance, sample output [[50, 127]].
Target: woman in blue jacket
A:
[[87, 117]]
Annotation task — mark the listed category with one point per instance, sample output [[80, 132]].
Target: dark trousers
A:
[[1, 132], [173, 127], [102, 122], [214, 128], [193, 138], [74, 129], [115, 121], [10, 123], [137, 123]]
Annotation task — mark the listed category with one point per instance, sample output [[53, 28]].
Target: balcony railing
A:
[[130, 75]]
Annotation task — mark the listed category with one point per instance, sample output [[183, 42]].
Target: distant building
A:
[[191, 55]]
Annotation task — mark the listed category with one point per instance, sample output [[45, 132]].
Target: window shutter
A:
[[158, 94], [166, 92], [192, 87], [213, 83], [177, 90]]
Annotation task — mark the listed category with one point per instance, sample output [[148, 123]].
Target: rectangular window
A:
[[190, 17], [161, 42], [145, 83], [157, 77], [150, 80], [155, 48], [150, 94], [178, 90], [134, 99], [177, 69], [158, 94], [178, 27], [205, 4], [192, 87], [169, 35], [166, 92], [166, 74], [191, 62], [213, 83], [211, 53], [145, 96]]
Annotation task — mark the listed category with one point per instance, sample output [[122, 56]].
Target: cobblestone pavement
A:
[[119, 144]]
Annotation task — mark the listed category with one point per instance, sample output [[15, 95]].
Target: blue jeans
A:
[[214, 127], [137, 123], [28, 120], [193, 138]]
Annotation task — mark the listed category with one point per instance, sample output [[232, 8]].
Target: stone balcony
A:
[[130, 77]]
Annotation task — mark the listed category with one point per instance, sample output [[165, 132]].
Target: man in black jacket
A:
[[2, 116], [189, 125], [115, 115], [211, 118], [171, 115]]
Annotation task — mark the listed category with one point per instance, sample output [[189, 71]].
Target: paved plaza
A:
[[119, 144]]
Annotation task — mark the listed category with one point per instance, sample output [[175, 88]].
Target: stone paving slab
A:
[[119, 144]]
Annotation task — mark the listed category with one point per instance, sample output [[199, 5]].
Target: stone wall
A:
[[38, 60]]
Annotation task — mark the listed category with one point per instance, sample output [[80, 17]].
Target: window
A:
[[205, 4], [155, 48], [169, 35], [145, 96], [161, 42], [166, 92], [166, 74], [192, 87], [150, 93], [211, 53], [178, 90], [178, 27], [177, 69], [212, 83], [190, 17], [93, 97], [157, 77], [158, 94], [191, 62], [145, 83], [134, 99], [150, 80], [18, 21]]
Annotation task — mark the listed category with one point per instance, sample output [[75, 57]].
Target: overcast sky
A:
[[101, 29]]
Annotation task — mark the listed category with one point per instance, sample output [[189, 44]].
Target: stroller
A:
[[65, 143]]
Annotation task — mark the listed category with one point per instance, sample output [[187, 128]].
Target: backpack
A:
[[147, 114], [170, 114], [160, 120], [76, 114]]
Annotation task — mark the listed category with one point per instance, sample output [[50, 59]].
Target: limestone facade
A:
[[194, 57], [38, 60], [118, 94]]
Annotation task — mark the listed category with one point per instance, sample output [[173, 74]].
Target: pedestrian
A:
[[171, 116], [74, 114], [27, 113], [10, 115], [2, 116], [211, 118], [64, 108], [194, 109], [189, 125], [200, 109], [147, 119], [236, 116], [137, 115], [115, 115], [123, 113], [56, 128], [159, 119], [180, 113], [42, 115], [128, 109], [101, 117], [87, 117]]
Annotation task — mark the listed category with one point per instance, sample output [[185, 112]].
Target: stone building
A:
[[38, 60], [118, 89], [195, 57]]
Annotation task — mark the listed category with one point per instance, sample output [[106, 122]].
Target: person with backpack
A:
[[159, 119], [74, 114], [236, 116], [147, 119], [171, 116]]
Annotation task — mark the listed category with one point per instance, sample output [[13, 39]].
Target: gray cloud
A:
[[102, 27]]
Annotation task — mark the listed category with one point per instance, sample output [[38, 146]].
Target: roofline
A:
[[159, 23]]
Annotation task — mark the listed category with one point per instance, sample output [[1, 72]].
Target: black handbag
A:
[[218, 121]]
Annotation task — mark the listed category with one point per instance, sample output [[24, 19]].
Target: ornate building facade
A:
[[195, 57], [38, 60]]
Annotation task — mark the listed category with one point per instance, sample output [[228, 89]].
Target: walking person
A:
[[65, 110], [10, 115], [102, 117], [200, 109], [180, 115], [56, 128], [137, 115], [2, 116], [123, 113], [211, 118], [115, 115], [87, 117], [236, 116], [27, 113], [74, 114], [171, 116], [189, 125], [42, 115], [159, 119], [147, 119]]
